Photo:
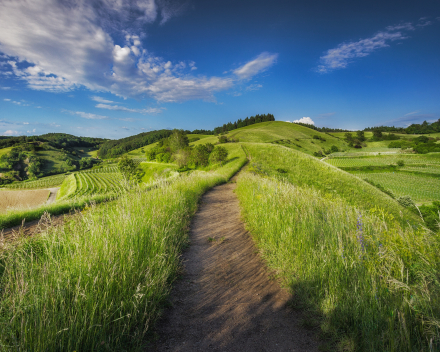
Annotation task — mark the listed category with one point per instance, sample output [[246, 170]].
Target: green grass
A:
[[52, 160], [420, 188], [86, 152], [5, 151], [379, 160], [303, 170], [99, 282], [138, 152], [153, 170], [371, 280]]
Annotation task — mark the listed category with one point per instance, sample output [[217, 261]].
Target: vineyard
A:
[[90, 183], [418, 187], [46, 182]]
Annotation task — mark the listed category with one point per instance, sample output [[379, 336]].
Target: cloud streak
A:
[[345, 53], [123, 108], [89, 56]]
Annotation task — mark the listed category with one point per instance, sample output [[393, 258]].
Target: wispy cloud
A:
[[345, 53], [89, 57], [410, 118], [254, 87], [102, 100], [123, 108], [261, 63], [323, 116], [86, 115]]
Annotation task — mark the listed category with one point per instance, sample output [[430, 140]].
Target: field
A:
[[5, 151], [44, 182], [418, 178], [382, 160], [421, 189], [22, 199]]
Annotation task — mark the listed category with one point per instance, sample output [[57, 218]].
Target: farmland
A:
[[382, 160], [22, 199], [420, 188], [44, 182]]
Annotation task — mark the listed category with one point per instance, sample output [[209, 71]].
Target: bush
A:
[[223, 139], [218, 155], [406, 201], [400, 163], [334, 149]]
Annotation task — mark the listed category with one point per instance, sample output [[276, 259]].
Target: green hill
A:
[[288, 134]]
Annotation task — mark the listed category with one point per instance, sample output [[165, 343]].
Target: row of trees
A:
[[114, 148], [243, 123], [321, 129], [176, 148], [423, 128], [56, 140]]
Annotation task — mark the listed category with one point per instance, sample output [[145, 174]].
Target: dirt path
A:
[[53, 195], [226, 300]]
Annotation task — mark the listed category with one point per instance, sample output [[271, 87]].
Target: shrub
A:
[[400, 163], [223, 139], [334, 149], [219, 154], [406, 201]]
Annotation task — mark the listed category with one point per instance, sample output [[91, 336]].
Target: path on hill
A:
[[53, 195], [226, 299]]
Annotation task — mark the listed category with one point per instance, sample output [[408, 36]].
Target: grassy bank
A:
[[99, 282], [373, 282], [303, 170]]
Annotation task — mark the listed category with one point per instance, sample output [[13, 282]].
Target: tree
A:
[[178, 140], [218, 155], [200, 155], [182, 157], [377, 133], [128, 168], [361, 136]]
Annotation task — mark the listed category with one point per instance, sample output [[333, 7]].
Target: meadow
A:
[[362, 268], [99, 282]]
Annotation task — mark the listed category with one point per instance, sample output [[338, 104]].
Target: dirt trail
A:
[[226, 300], [53, 195]]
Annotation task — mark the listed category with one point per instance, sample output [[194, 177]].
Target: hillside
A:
[[291, 135]]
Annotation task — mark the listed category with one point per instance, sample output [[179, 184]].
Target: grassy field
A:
[[369, 279], [284, 133], [99, 282], [86, 152], [408, 159], [306, 171], [153, 170], [5, 151], [420, 188]]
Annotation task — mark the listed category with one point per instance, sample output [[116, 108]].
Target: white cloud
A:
[[102, 100], [259, 64], [10, 133], [345, 53], [33, 131], [6, 99], [254, 87], [86, 55], [86, 115], [5, 88], [25, 123], [123, 108], [306, 120]]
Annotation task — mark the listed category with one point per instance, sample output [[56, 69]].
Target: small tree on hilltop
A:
[[178, 140], [218, 155], [200, 155]]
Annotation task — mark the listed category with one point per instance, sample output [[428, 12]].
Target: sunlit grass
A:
[[372, 278]]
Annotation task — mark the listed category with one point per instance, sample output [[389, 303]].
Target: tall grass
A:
[[374, 282], [303, 170], [98, 283]]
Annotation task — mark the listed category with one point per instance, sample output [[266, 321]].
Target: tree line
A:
[[423, 128], [114, 148]]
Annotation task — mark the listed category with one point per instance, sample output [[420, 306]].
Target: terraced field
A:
[[382, 160], [88, 183], [45, 182], [420, 188]]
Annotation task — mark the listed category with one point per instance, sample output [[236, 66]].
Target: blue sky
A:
[[114, 68]]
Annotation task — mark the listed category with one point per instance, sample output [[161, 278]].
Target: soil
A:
[[226, 299]]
